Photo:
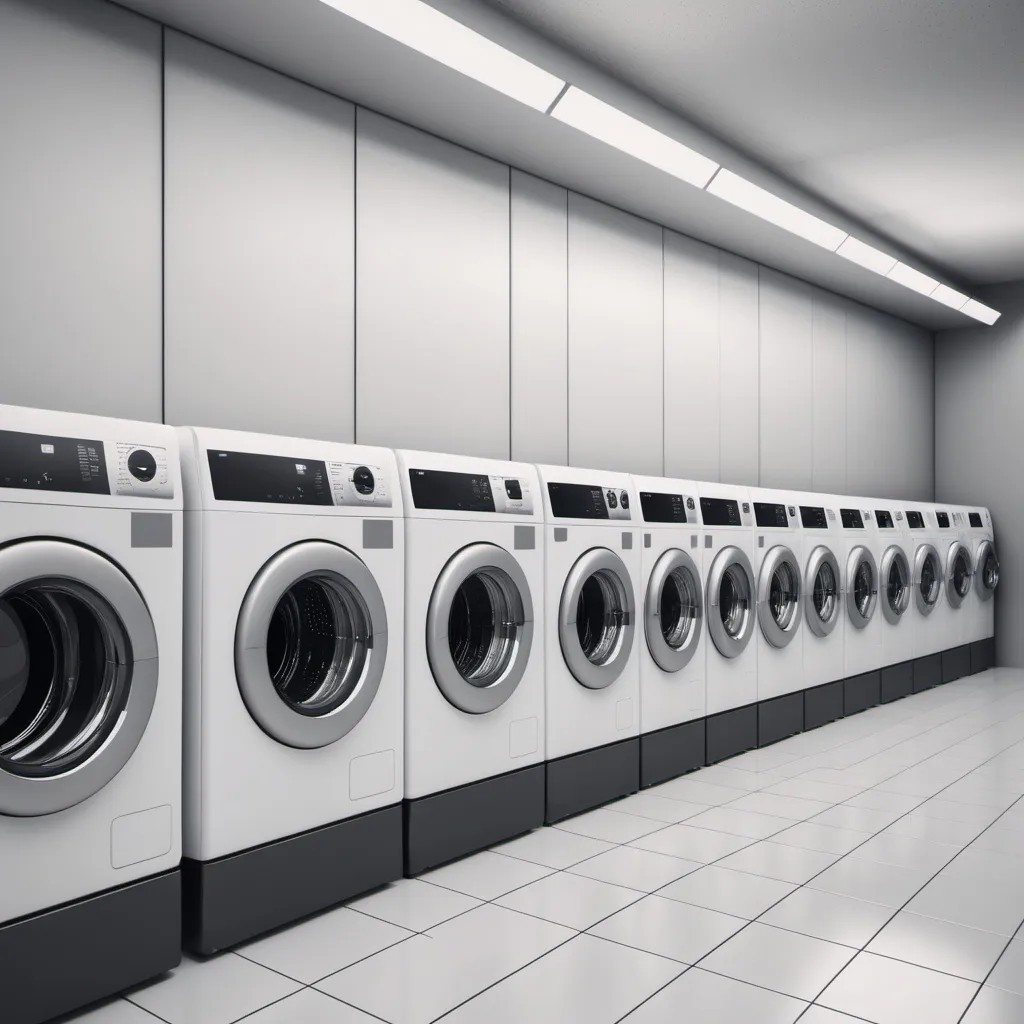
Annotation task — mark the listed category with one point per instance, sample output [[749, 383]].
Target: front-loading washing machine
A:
[[592, 657], [923, 545], [90, 709], [294, 565], [730, 602], [980, 540], [959, 571], [895, 596], [672, 660], [780, 613], [474, 671]]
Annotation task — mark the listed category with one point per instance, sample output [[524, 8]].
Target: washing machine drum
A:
[[596, 618], [862, 586], [310, 644], [78, 674], [896, 581], [673, 610], [778, 596], [730, 600], [927, 578], [986, 577], [959, 574], [821, 587], [479, 628]]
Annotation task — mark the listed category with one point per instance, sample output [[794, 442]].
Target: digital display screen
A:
[[767, 514], [40, 462], [813, 517], [577, 501], [884, 519], [975, 520], [915, 520], [851, 518], [454, 492], [943, 520], [270, 479], [663, 508], [720, 512]]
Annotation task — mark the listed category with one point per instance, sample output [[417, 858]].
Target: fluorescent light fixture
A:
[[867, 256], [421, 27], [949, 296], [913, 279], [598, 119], [750, 197], [986, 314]]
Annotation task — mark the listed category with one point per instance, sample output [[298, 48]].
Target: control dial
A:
[[613, 501], [624, 499], [363, 481], [142, 465]]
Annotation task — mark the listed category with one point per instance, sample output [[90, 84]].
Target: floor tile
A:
[[906, 852], [787, 962], [866, 880], [1009, 972], [822, 1015], [955, 810], [774, 860], [309, 1007], [730, 892], [935, 830], [740, 823], [975, 902], [1001, 838], [828, 916], [117, 1011], [879, 800], [892, 992], [587, 979], [700, 997], [635, 868], [324, 944], [553, 847], [861, 819], [428, 975], [977, 861], [723, 775], [994, 1006], [700, 844], [414, 904], [951, 948], [486, 875], [694, 789], [825, 838], [828, 792], [658, 808], [611, 826], [570, 900], [793, 807], [669, 928], [216, 991]]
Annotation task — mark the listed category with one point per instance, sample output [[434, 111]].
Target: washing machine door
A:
[[862, 586], [78, 674], [778, 596], [986, 576], [927, 578], [896, 581], [730, 600], [479, 628], [822, 591], [596, 618], [310, 644], [959, 573], [673, 610]]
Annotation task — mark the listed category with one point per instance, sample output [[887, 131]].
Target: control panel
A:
[[814, 517], [668, 508], [142, 471], [975, 520], [725, 512], [884, 519], [588, 501], [771, 515], [354, 483], [915, 521], [853, 518], [942, 518], [470, 492]]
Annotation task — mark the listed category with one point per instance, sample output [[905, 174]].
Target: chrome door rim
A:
[[54, 560], [981, 586], [332, 566], [956, 552], [473, 560], [776, 634], [667, 657], [820, 557], [894, 557], [584, 671], [859, 556], [927, 553], [730, 560]]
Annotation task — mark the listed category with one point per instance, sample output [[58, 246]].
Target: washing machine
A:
[[592, 581], [294, 563], [958, 579], [474, 671], [780, 614], [923, 544], [895, 596], [730, 601], [90, 709], [980, 607], [672, 660]]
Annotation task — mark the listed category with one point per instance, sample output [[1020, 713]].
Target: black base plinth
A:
[[927, 672], [861, 692], [897, 681], [669, 753], [731, 732], [780, 717], [578, 782], [823, 704], [983, 655], [956, 663]]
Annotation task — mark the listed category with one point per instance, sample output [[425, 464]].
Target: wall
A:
[[329, 272], [979, 422]]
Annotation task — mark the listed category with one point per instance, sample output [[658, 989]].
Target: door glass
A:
[[990, 571], [961, 574], [896, 585], [929, 584], [826, 592], [678, 608], [734, 600], [600, 616], [484, 626], [783, 595], [65, 674], [863, 584]]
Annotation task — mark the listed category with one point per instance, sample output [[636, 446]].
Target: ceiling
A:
[[907, 114]]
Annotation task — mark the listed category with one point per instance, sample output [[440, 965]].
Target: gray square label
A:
[[709, 541], [525, 538], [647, 540], [152, 530], [627, 542], [693, 541], [561, 534], [378, 533]]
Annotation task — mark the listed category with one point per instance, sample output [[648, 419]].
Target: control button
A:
[[363, 481], [142, 465], [613, 502], [514, 490], [624, 499]]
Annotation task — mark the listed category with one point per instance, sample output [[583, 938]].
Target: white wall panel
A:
[[432, 293], [615, 339], [828, 416], [740, 362], [540, 403], [260, 248], [863, 354], [80, 219]]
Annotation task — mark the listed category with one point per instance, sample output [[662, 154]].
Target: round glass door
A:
[[730, 600], [862, 591], [959, 574], [821, 583], [896, 580], [674, 610], [778, 596], [928, 578], [987, 576]]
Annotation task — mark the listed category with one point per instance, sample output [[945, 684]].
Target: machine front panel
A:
[[915, 521], [884, 519], [813, 517], [588, 501], [769, 514], [470, 492], [852, 519], [724, 512], [666, 508]]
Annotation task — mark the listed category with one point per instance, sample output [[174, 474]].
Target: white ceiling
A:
[[907, 114]]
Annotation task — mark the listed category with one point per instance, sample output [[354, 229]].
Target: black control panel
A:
[[769, 514], [663, 508], [40, 462], [851, 518], [455, 492], [915, 520], [943, 520], [884, 519], [975, 520], [813, 517], [581, 501], [270, 479], [720, 512]]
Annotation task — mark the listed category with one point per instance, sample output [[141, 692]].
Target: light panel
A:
[[867, 256], [949, 296], [421, 27], [913, 279], [750, 197], [601, 121], [978, 310]]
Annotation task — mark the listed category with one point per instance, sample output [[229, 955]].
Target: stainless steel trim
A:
[[896, 594], [779, 559], [822, 556], [731, 563], [861, 616], [985, 583], [958, 556], [927, 599], [667, 656]]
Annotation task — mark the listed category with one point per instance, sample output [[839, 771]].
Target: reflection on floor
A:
[[870, 870]]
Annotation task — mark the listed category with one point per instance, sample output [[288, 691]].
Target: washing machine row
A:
[[388, 660]]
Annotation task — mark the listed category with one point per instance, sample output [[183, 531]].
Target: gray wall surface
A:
[[979, 423], [328, 271]]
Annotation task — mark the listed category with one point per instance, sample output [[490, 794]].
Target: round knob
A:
[[613, 502], [362, 480], [624, 499], [142, 465]]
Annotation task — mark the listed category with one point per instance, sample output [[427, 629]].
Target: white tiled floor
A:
[[871, 870]]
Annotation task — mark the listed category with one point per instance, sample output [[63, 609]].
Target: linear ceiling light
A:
[[448, 41], [978, 310], [913, 279], [856, 251], [750, 197], [596, 118], [949, 297]]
